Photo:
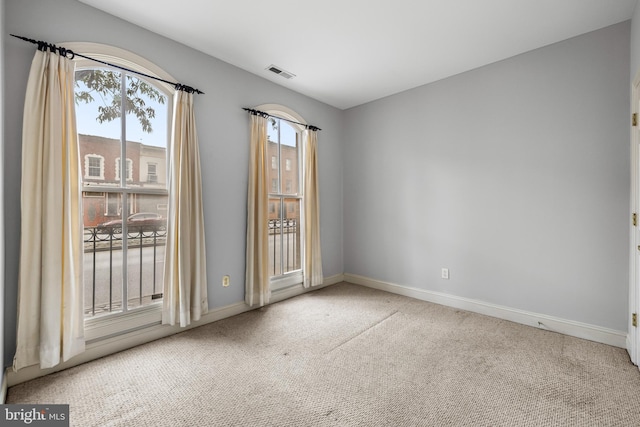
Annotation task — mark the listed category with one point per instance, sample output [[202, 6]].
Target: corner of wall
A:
[[536, 320], [635, 41]]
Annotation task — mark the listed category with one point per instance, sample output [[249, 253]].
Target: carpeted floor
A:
[[351, 356]]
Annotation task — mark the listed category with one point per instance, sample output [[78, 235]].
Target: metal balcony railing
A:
[[103, 262], [284, 246]]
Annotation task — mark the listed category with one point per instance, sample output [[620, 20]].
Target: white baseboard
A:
[[296, 290], [111, 345], [542, 321]]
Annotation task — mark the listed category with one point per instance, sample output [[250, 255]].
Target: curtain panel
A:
[[50, 295], [185, 274], [312, 256], [257, 290]]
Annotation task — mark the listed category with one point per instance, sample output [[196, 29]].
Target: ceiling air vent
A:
[[279, 71]]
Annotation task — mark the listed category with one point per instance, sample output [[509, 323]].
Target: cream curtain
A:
[[50, 295], [312, 258], [185, 273], [257, 290]]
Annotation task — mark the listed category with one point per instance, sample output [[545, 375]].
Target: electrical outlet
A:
[[445, 273], [226, 281]]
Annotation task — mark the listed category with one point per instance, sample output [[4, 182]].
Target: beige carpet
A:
[[351, 356]]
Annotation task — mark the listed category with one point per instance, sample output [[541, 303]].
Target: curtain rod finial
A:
[[24, 38]]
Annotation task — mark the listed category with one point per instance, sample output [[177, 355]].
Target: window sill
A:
[[287, 281], [108, 326]]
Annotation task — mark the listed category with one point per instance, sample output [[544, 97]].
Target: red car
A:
[[141, 221]]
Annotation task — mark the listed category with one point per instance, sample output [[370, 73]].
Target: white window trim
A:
[[118, 56], [296, 277], [286, 280], [110, 325], [285, 112], [106, 327], [86, 166]]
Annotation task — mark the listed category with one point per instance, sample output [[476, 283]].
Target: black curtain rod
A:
[[263, 114], [68, 53]]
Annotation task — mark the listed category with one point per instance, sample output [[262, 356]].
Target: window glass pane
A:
[[97, 115], [284, 210], [146, 240], [272, 150], [103, 283], [105, 214], [291, 235], [97, 111], [102, 254], [275, 237], [289, 161], [284, 235], [152, 174], [97, 94], [95, 167], [147, 118], [272, 129], [147, 111]]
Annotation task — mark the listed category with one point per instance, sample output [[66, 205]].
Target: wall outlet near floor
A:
[[445, 273], [226, 280]]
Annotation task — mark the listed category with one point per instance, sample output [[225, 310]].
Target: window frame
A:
[[115, 324], [87, 166], [154, 174], [296, 277]]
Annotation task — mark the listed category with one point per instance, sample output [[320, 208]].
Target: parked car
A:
[[141, 221]]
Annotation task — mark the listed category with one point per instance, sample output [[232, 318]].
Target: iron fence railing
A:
[[103, 260], [284, 245]]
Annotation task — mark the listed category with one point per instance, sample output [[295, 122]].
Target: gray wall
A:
[[2, 281], [515, 176], [223, 130], [635, 42]]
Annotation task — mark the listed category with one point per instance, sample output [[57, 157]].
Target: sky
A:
[[287, 133], [87, 124]]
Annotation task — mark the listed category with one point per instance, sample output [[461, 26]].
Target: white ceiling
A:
[[349, 52]]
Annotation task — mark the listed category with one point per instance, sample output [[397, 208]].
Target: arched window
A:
[[283, 222], [285, 173], [124, 209]]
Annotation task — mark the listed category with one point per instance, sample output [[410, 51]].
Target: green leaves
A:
[[105, 85]]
